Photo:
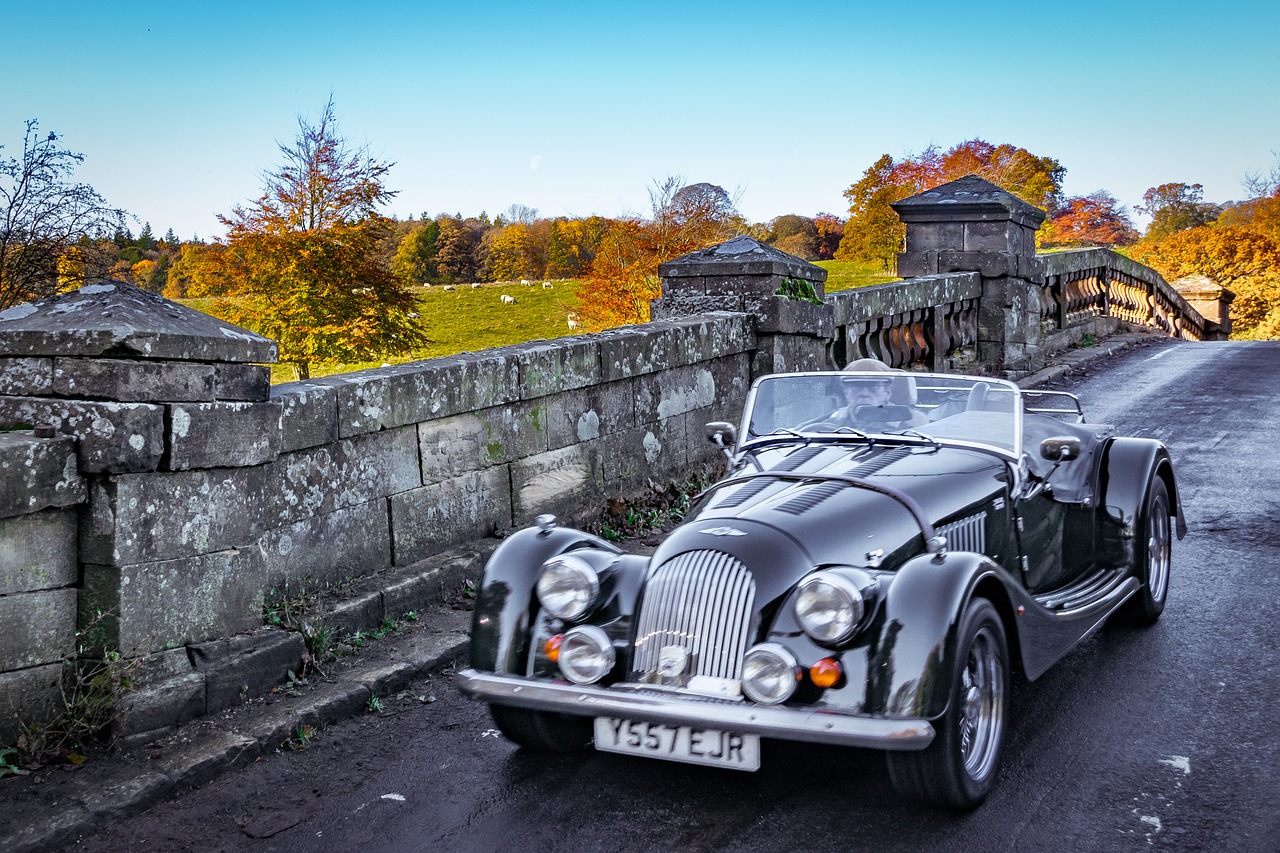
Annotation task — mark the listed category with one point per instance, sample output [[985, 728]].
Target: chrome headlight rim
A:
[[852, 607], [568, 587], [784, 668], [585, 640]]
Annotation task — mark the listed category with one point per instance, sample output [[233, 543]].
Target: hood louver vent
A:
[[879, 463], [747, 491], [812, 496]]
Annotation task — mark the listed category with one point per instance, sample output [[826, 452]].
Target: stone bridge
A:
[[157, 494]]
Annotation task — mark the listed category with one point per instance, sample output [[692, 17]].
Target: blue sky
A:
[[579, 108]]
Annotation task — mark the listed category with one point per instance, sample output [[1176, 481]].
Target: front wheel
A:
[[958, 769], [543, 730], [1152, 555]]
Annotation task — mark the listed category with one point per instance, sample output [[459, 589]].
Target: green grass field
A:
[[468, 319]]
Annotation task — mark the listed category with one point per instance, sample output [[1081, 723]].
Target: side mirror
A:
[[1060, 448], [722, 434]]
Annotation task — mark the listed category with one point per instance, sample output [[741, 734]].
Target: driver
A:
[[862, 391]]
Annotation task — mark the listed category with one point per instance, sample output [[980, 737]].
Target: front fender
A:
[[909, 669], [505, 602]]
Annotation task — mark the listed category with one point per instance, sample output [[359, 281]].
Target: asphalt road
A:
[[1166, 738]]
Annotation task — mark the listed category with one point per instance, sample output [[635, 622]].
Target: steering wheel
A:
[[977, 397]]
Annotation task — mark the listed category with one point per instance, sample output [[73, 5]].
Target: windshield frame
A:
[[940, 384]]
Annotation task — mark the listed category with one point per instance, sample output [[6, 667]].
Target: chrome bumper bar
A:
[[777, 721]]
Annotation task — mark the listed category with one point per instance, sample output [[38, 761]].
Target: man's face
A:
[[866, 391]]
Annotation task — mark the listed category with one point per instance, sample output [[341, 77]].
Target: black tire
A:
[[1152, 557], [958, 769], [541, 730]]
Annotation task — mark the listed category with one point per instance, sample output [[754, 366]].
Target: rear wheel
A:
[[958, 769], [1152, 554], [542, 730]]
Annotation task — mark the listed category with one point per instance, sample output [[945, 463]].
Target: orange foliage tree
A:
[[875, 234], [1093, 220], [624, 273], [306, 258]]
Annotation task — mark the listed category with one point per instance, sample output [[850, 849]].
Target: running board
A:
[[1102, 587]]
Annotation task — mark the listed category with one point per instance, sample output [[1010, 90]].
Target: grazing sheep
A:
[[526, 282], [474, 286], [450, 287], [508, 300], [573, 321], [546, 285]]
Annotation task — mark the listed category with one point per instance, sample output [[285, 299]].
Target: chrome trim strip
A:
[[812, 725]]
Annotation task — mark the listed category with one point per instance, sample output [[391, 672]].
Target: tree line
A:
[[316, 264]]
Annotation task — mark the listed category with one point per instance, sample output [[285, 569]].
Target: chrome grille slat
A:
[[702, 601]]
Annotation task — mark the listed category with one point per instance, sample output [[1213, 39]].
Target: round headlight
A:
[[586, 654], [769, 674], [828, 607], [568, 586]]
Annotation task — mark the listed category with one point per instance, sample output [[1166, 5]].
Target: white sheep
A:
[[474, 286], [450, 287], [508, 300], [573, 321], [546, 285], [526, 282]]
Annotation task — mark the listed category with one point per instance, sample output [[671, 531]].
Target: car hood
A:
[[811, 495]]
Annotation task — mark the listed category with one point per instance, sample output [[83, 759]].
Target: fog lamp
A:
[[586, 654], [769, 674]]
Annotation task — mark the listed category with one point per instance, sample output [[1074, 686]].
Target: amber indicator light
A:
[[552, 647], [826, 672]]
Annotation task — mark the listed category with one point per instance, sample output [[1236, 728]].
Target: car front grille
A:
[[700, 602]]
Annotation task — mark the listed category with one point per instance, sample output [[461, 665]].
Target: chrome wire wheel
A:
[[1158, 542], [981, 717]]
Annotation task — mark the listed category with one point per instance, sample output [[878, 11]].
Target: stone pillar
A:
[[165, 412], [971, 225], [782, 292], [1211, 299]]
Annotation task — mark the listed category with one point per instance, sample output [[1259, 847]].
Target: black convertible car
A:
[[884, 552]]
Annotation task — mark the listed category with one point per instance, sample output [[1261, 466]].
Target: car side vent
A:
[[810, 496], [967, 534]]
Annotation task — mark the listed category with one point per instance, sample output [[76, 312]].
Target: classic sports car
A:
[[864, 575]]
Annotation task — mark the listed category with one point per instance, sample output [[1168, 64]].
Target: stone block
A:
[[36, 473], [150, 607], [38, 551], [245, 667], [636, 350], [26, 377], [32, 696], [309, 415], [629, 460], [362, 613], [673, 392], [589, 413], [346, 473], [455, 445], [564, 482], [160, 706], [250, 383], [144, 518], [348, 542], [39, 628], [133, 380], [431, 582], [795, 317], [548, 367], [222, 435], [371, 400], [433, 518], [113, 437]]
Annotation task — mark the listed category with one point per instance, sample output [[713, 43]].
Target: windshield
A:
[[974, 410]]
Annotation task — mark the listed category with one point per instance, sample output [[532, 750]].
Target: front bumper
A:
[[825, 725]]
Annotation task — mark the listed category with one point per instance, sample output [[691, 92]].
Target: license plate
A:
[[678, 743]]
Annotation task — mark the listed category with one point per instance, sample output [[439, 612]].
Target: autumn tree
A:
[[1176, 207], [624, 274], [1097, 219], [795, 235], [307, 257], [44, 214], [414, 261], [830, 229], [875, 234]]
